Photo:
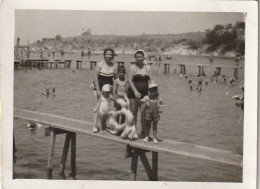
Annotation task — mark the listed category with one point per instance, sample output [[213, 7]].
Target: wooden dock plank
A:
[[164, 145]]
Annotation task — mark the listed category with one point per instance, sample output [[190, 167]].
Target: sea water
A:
[[207, 118]]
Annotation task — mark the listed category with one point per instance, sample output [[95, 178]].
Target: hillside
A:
[[221, 40]]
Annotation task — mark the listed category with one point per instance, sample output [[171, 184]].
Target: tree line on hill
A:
[[221, 38]]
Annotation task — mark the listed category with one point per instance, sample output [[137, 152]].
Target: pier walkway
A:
[[62, 125]]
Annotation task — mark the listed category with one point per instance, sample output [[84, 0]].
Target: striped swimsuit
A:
[[106, 75]]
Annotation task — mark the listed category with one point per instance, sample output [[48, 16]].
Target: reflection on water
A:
[[207, 118]]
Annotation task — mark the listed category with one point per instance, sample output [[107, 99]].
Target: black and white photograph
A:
[[132, 95]]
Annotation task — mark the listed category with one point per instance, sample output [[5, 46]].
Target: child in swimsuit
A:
[[120, 90], [154, 106], [102, 109], [121, 86]]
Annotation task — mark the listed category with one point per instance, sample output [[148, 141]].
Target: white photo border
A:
[[8, 8]]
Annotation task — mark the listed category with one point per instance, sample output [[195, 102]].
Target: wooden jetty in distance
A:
[[62, 125], [44, 63]]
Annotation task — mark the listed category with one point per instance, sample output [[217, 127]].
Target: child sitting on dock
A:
[[102, 109], [154, 107]]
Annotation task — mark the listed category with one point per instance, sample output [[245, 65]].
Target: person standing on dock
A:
[[62, 53], [49, 54], [82, 54], [120, 89], [153, 104], [211, 56], [89, 53], [105, 70], [53, 53], [102, 109], [139, 75], [41, 54]]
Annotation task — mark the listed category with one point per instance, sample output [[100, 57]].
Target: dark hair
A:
[[121, 69], [109, 49], [139, 52], [154, 89]]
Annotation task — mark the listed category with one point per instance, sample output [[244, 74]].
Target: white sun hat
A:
[[152, 85], [106, 88]]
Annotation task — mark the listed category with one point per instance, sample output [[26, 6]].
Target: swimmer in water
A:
[[33, 125], [53, 91], [190, 84], [47, 92], [231, 81], [199, 88]]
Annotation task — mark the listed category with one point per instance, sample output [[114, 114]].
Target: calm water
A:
[[208, 118]]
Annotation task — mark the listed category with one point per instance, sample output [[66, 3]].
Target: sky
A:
[[37, 24]]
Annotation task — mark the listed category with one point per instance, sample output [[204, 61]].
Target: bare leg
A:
[[155, 132], [143, 121], [95, 129], [102, 121], [154, 129], [147, 127], [134, 109]]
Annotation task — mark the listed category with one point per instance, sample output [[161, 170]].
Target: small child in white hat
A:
[[102, 109], [154, 106]]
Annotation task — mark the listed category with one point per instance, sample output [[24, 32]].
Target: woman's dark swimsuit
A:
[[141, 84]]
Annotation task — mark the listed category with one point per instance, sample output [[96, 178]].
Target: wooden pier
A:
[[61, 125], [92, 64], [43, 63]]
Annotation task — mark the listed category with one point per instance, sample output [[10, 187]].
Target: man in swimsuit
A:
[[139, 76]]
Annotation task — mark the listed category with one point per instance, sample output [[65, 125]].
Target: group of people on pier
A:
[[137, 88]]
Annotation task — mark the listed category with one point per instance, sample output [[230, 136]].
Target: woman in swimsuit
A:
[[139, 75], [105, 70]]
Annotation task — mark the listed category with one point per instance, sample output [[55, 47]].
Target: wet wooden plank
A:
[[164, 145]]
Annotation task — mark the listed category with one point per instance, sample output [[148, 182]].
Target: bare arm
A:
[[160, 105], [149, 70], [114, 88], [96, 78], [131, 84]]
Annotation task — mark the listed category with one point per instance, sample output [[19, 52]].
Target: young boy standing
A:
[[154, 106]]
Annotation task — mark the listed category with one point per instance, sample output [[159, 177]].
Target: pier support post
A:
[[199, 70], [166, 68], [92, 64], [183, 69], [152, 172], [65, 153], [134, 165], [51, 153], [79, 64], [73, 155], [155, 165], [146, 165]]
